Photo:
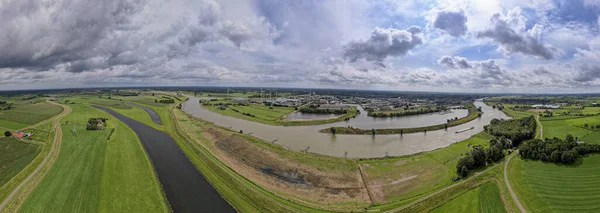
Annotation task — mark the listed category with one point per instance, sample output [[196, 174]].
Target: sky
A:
[[526, 46]]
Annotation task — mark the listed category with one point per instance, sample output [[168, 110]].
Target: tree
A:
[[373, 131], [333, 130], [569, 157], [570, 138], [464, 171], [479, 156], [7, 133]]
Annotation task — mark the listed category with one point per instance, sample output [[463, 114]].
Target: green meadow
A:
[[24, 114], [93, 174], [549, 187], [484, 199], [560, 128], [403, 178], [14, 156]]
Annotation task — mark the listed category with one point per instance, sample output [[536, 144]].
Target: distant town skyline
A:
[[532, 46]]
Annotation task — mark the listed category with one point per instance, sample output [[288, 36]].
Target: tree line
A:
[[403, 113], [509, 133], [556, 150], [315, 110], [480, 156]]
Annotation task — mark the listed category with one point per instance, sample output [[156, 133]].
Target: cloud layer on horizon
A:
[[536, 45]]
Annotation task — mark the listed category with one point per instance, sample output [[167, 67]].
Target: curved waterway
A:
[[153, 115], [308, 138], [186, 189]]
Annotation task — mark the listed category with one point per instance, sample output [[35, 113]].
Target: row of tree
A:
[[315, 110], [517, 130], [556, 150], [403, 112], [480, 156]]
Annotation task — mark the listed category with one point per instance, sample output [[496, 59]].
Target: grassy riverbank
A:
[[94, 174], [473, 113], [274, 115]]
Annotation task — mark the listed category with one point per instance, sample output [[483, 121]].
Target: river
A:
[[308, 138], [185, 187]]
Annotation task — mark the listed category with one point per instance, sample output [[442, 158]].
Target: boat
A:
[[464, 130]]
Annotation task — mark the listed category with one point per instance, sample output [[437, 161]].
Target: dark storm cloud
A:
[[454, 23], [500, 31], [587, 73], [384, 43], [455, 62], [41, 36]]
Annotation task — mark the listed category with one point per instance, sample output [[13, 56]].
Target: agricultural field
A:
[[112, 175], [575, 127], [484, 199], [401, 178], [24, 114], [550, 187], [14, 156]]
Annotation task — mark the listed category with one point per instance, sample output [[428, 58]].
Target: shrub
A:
[[7, 134]]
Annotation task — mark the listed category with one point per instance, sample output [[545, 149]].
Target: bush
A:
[[7, 134]]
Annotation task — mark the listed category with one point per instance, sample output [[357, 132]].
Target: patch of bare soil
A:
[[400, 162], [283, 175], [397, 183]]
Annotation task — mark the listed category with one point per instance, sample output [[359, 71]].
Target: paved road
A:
[[512, 193], [57, 138], [186, 189]]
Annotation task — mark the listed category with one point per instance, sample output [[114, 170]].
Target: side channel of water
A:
[[186, 189], [308, 138]]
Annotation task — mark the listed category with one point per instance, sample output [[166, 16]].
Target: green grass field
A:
[[11, 125], [401, 178], [548, 187], [92, 174], [484, 199], [74, 182], [28, 114], [14, 156], [560, 128]]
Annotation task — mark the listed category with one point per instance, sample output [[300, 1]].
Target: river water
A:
[[308, 138]]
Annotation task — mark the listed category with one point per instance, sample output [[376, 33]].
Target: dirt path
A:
[[57, 139], [512, 193], [439, 191], [540, 133]]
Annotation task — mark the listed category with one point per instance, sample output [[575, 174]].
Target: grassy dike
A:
[[473, 113], [14, 183]]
